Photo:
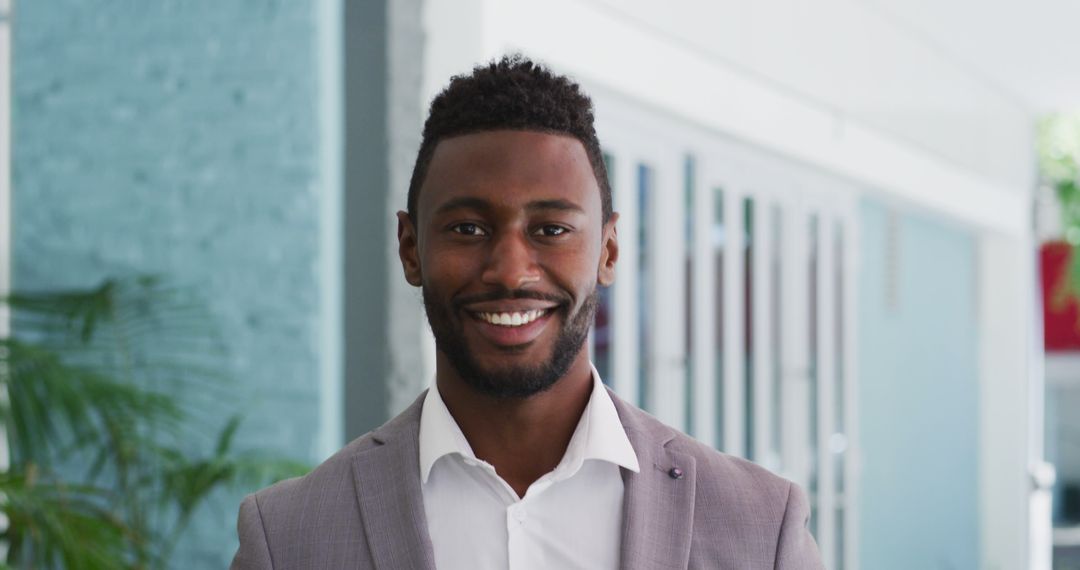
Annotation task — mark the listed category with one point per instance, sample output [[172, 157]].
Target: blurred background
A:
[[847, 233]]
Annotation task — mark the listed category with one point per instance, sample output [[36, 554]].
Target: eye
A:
[[552, 230], [468, 229]]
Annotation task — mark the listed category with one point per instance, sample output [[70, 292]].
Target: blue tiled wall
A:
[[918, 393], [182, 138]]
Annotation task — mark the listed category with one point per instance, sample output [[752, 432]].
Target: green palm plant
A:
[[107, 395]]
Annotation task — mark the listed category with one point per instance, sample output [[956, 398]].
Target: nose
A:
[[511, 263]]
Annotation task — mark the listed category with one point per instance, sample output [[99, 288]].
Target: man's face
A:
[[508, 247]]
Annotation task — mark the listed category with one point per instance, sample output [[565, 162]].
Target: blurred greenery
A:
[[1059, 167], [109, 398]]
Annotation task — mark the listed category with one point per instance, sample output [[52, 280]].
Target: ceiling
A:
[[1029, 51]]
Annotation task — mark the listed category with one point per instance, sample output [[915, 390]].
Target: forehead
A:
[[510, 169]]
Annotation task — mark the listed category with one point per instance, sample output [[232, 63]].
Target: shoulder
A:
[[744, 516], [763, 515], [330, 487], [331, 477], [310, 520], [719, 477], [300, 510]]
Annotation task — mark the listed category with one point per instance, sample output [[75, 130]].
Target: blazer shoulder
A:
[[331, 476], [732, 481], [764, 513], [744, 516], [306, 521], [722, 474]]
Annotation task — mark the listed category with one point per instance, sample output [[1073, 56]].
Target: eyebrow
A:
[[467, 202]]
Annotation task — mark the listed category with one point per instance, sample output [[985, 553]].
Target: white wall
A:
[[1006, 307]]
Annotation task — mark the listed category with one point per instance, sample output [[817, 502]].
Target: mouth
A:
[[511, 318], [508, 329]]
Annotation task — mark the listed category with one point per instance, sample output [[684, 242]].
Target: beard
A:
[[516, 381]]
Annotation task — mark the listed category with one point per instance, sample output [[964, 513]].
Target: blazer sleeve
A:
[[254, 553], [795, 548]]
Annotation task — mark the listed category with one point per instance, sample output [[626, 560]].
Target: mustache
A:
[[509, 295]]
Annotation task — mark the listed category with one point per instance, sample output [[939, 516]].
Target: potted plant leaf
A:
[[107, 394]]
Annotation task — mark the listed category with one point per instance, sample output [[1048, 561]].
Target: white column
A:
[[406, 109], [5, 163], [5, 207], [1007, 449], [454, 41]]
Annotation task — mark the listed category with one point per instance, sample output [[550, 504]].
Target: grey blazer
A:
[[363, 508]]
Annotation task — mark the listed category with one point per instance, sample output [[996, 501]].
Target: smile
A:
[[511, 319]]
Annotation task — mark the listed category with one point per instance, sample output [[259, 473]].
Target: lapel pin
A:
[[675, 473]]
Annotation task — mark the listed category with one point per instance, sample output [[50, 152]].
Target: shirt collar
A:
[[439, 433], [599, 434], [606, 439]]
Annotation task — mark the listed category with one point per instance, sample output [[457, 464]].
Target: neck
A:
[[523, 438]]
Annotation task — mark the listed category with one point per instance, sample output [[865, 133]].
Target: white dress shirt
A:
[[569, 518]]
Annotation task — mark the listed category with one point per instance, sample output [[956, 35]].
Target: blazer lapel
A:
[[658, 502], [387, 479]]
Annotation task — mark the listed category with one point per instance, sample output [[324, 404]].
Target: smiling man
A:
[[519, 457]]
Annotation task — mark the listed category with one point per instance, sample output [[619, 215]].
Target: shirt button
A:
[[520, 515]]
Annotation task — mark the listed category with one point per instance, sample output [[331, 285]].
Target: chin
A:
[[513, 380]]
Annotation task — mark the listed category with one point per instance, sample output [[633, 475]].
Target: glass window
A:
[[718, 238], [645, 285], [689, 182], [812, 363], [838, 440], [775, 338], [748, 325]]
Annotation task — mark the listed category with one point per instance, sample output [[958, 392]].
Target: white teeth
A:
[[515, 319]]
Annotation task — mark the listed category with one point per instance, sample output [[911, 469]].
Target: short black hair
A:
[[512, 93]]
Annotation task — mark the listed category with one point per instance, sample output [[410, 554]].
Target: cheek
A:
[[588, 258], [448, 270], [576, 271]]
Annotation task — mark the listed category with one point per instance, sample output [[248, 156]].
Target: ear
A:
[[609, 252], [408, 249]]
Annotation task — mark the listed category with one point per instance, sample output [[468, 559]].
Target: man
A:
[[519, 457]]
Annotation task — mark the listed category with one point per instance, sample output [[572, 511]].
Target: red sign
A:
[[1061, 314]]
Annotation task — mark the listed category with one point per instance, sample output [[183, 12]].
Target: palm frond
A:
[[55, 523], [51, 404]]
